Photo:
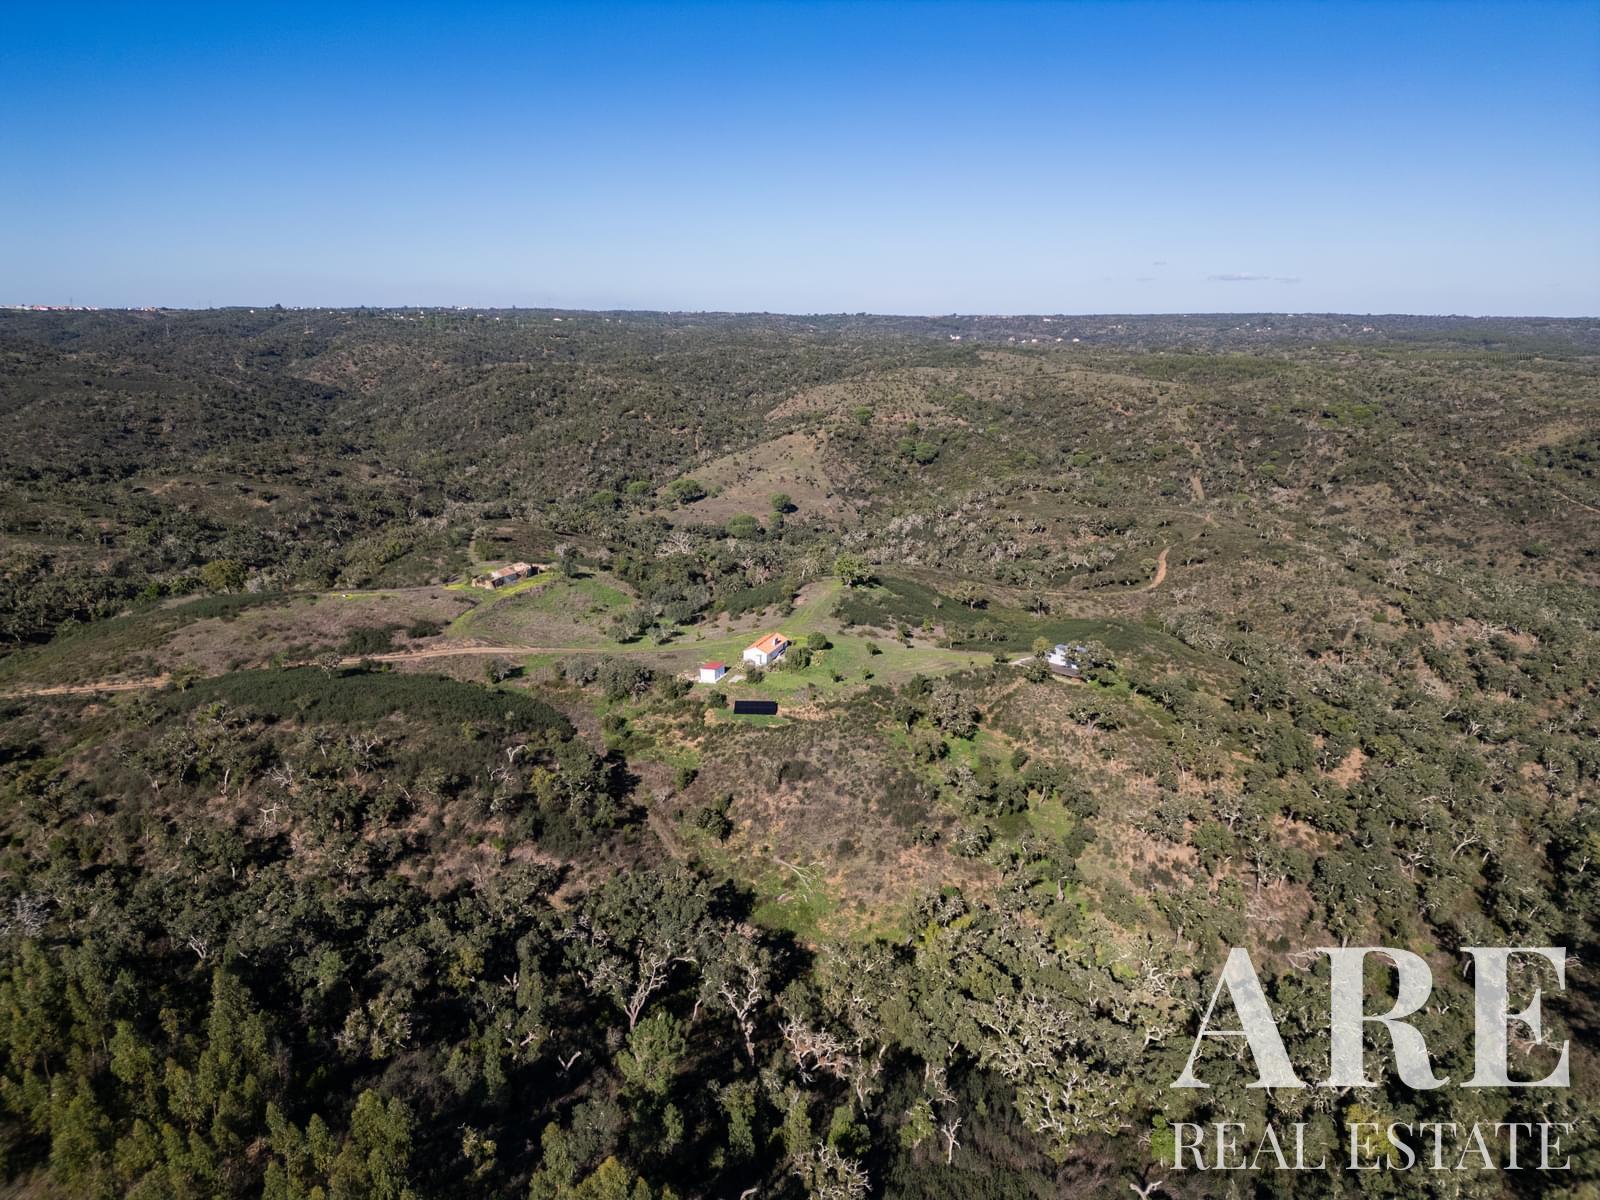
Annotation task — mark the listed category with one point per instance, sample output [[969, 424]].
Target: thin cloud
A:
[[1241, 277]]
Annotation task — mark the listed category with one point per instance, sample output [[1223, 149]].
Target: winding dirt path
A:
[[1161, 571], [88, 689], [1156, 581], [1574, 500]]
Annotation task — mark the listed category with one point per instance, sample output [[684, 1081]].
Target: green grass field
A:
[[548, 609], [572, 613]]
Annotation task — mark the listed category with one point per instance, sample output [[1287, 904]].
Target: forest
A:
[[324, 874]]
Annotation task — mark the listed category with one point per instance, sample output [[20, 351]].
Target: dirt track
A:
[[1156, 581], [1161, 571], [88, 689]]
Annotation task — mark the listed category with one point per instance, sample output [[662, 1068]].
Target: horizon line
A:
[[40, 307]]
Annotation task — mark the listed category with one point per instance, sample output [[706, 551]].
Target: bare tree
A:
[[948, 1132]]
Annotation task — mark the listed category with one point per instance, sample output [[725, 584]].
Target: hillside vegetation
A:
[[326, 874]]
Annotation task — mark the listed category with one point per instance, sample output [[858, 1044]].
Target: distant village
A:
[[58, 308]]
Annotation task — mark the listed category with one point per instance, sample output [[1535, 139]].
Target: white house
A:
[[1067, 659], [711, 672], [766, 650]]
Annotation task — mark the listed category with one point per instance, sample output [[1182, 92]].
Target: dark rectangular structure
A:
[[756, 708]]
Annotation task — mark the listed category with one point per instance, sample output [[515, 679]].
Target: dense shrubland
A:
[[573, 931]]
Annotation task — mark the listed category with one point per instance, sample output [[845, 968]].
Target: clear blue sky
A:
[[796, 157]]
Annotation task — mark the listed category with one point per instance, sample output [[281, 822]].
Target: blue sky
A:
[[921, 158]]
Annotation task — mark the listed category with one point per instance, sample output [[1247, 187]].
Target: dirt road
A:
[[1161, 571], [89, 689], [1156, 581]]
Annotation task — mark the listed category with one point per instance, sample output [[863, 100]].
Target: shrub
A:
[[714, 822], [223, 575], [369, 639], [686, 491], [498, 670], [673, 687], [852, 569], [713, 818], [623, 678], [774, 591], [360, 698]]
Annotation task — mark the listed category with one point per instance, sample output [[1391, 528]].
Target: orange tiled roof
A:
[[769, 642]]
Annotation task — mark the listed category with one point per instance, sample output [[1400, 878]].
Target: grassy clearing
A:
[[779, 902], [552, 610], [850, 656], [1051, 819], [967, 751], [490, 595], [549, 609]]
